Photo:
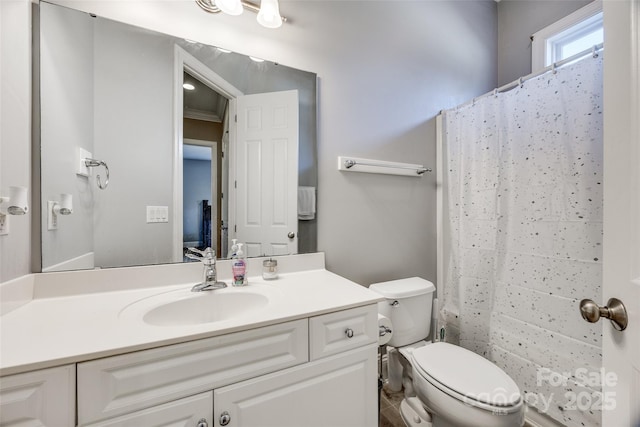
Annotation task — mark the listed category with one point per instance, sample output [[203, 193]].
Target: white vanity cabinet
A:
[[259, 377], [45, 397]]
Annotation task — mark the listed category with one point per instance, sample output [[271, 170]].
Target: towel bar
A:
[[352, 164]]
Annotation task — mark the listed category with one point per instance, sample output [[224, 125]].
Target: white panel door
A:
[[266, 156], [335, 391], [621, 260]]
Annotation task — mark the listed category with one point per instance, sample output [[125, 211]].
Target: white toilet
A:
[[445, 385]]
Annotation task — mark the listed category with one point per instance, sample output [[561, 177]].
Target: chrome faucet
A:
[[209, 277]]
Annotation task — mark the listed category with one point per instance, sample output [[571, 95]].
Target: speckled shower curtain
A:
[[525, 220]]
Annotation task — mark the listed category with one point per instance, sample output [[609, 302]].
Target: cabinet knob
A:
[[202, 423], [349, 333], [225, 418]]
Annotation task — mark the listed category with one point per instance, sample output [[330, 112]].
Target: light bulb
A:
[[269, 14], [18, 203], [230, 7]]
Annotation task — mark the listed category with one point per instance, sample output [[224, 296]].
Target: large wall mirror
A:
[[150, 144]]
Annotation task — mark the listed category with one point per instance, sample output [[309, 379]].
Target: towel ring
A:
[[93, 163]]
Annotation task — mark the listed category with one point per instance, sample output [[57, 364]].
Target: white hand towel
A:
[[306, 203]]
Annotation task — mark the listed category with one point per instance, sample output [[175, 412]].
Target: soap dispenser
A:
[[233, 249], [239, 267]]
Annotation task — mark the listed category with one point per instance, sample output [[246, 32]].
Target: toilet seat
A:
[[467, 377]]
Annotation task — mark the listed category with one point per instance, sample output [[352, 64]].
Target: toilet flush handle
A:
[[394, 303]]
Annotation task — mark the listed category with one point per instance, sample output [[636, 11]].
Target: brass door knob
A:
[[614, 311]]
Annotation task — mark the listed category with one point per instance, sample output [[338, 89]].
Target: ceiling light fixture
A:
[[269, 14], [230, 7], [268, 11]]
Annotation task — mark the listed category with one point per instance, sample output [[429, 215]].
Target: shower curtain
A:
[[524, 190]]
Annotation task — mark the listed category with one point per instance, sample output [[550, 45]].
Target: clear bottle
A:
[[269, 269], [239, 267], [233, 249]]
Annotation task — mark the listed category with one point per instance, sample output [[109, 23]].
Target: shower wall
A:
[[525, 236]]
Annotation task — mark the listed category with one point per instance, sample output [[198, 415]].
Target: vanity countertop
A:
[[53, 329]]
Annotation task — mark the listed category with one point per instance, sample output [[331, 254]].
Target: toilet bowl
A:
[[445, 385]]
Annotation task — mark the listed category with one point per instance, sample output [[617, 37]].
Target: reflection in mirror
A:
[[205, 146], [108, 92]]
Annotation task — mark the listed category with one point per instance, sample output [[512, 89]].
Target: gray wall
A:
[[517, 21], [67, 98], [380, 92], [105, 87], [134, 135], [15, 130]]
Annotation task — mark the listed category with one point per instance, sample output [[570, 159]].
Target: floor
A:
[[390, 408]]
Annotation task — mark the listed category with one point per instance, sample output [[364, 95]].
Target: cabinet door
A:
[[192, 411], [39, 398], [336, 391]]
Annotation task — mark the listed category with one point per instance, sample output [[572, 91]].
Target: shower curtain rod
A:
[[553, 67]]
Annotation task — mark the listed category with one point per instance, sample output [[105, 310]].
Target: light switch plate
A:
[[156, 214], [82, 154], [52, 220]]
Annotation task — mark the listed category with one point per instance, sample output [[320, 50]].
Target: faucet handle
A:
[[208, 260], [208, 256], [196, 251], [191, 254]]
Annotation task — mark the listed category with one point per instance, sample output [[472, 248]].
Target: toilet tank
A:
[[408, 305]]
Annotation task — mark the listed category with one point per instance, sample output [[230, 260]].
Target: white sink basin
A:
[[184, 308]]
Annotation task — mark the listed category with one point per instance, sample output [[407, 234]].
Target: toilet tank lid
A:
[[403, 288]]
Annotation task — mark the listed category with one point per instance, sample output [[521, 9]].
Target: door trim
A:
[[183, 60]]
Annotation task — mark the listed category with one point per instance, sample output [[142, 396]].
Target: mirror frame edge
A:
[[36, 158]]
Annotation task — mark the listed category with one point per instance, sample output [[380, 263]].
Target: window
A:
[[575, 33]]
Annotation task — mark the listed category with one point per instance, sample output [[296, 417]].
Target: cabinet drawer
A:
[[185, 412], [336, 332], [39, 398], [123, 384]]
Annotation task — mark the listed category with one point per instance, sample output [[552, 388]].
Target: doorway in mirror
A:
[[204, 171]]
